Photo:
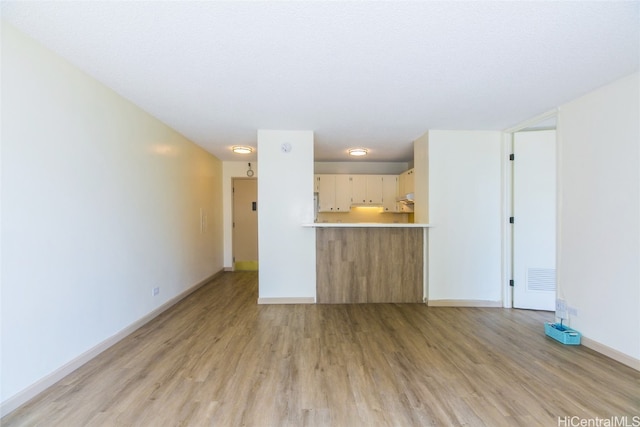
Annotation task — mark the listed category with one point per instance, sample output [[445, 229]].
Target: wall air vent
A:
[[541, 279]]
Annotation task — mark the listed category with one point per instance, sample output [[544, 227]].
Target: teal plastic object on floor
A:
[[563, 334]]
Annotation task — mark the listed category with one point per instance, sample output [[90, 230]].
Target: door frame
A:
[[507, 199]]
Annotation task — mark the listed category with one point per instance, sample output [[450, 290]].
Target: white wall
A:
[[287, 252], [465, 212], [100, 203], [599, 214], [231, 170]]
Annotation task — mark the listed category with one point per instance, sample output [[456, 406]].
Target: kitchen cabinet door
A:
[[366, 189], [405, 183], [409, 183], [326, 193], [342, 193], [389, 193], [358, 189], [374, 189]]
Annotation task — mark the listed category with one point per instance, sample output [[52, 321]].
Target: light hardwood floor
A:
[[217, 358]]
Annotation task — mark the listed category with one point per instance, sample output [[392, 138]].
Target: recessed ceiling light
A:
[[242, 149], [358, 151]]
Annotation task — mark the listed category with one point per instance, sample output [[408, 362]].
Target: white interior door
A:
[[534, 229]]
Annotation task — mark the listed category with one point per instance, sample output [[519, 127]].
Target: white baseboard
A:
[[302, 300], [463, 303], [614, 354], [22, 397]]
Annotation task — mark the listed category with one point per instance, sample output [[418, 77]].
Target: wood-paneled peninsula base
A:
[[360, 264]]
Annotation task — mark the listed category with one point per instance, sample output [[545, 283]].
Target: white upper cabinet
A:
[[338, 192], [358, 189], [374, 189], [334, 193], [343, 193], [326, 187], [366, 189], [389, 193], [406, 182]]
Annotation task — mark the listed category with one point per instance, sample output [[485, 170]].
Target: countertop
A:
[[364, 224]]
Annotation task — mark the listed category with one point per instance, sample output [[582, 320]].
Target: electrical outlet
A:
[[155, 291]]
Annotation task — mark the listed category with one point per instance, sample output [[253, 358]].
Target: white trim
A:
[[507, 209], [22, 397], [464, 303], [559, 199], [507, 200], [300, 300], [614, 354], [532, 121]]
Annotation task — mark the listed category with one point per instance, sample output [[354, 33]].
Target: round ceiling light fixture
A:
[[241, 149], [358, 151]]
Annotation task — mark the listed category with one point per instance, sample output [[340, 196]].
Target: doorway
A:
[[534, 220], [245, 224]]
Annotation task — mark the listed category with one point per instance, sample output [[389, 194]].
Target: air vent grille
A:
[[541, 279]]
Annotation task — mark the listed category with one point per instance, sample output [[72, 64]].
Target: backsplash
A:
[[365, 214]]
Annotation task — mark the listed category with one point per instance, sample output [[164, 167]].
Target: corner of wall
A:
[[286, 249]]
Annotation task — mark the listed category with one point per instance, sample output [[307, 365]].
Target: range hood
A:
[[407, 199]]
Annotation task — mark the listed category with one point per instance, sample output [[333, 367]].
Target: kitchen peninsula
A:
[[370, 262]]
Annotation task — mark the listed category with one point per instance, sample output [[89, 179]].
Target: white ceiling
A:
[[371, 74]]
